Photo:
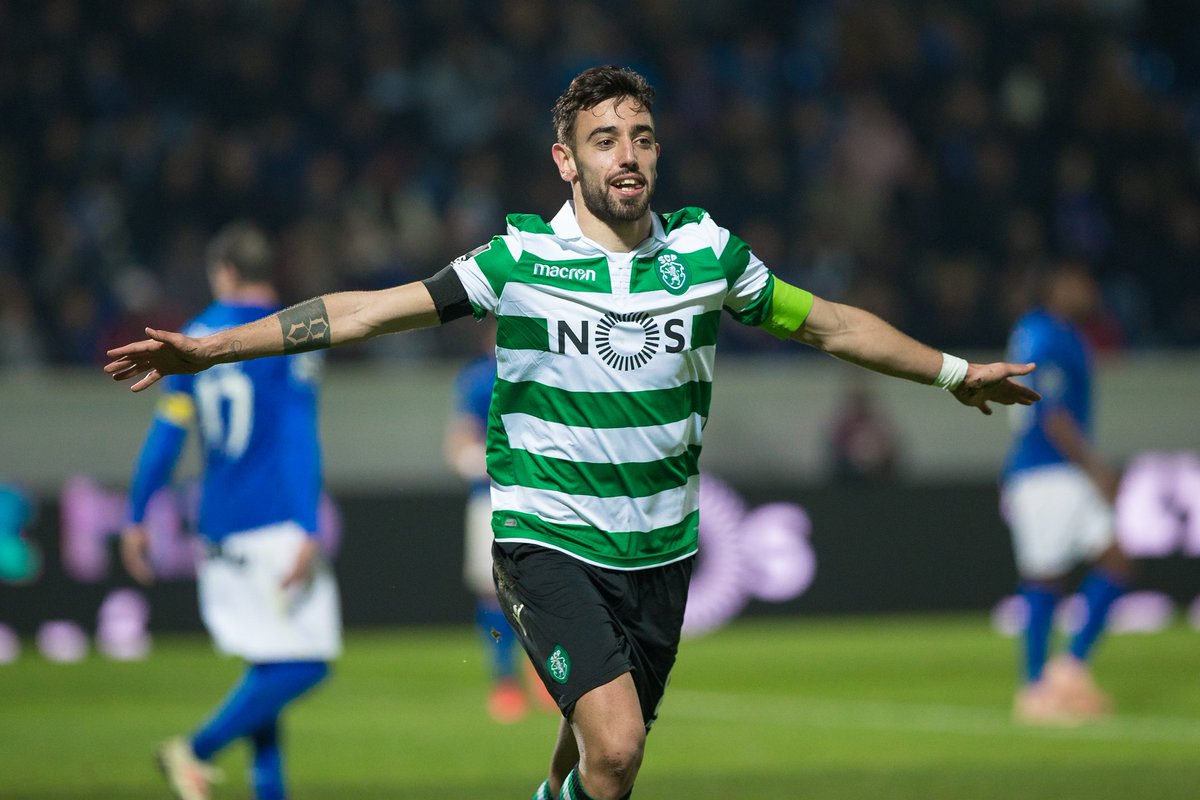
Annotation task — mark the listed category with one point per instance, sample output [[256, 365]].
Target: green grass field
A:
[[906, 707]]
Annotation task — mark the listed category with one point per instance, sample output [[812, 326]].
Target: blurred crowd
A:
[[922, 159]]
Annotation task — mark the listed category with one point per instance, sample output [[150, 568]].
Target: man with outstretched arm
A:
[[607, 320], [266, 593]]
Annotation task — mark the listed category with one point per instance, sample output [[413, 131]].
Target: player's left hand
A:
[[993, 383], [164, 353], [135, 546], [302, 567]]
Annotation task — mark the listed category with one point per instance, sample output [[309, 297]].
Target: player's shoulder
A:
[[1038, 336], [688, 216], [1034, 322], [506, 248], [527, 223]]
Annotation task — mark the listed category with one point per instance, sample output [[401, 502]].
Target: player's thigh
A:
[[1044, 508], [564, 622], [651, 620], [607, 720], [1096, 527], [477, 545], [249, 612]]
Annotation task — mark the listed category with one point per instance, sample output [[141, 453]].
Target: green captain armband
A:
[[789, 308]]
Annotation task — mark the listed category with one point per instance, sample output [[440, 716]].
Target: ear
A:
[[564, 159]]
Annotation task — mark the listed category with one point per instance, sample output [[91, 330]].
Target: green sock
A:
[[543, 792], [572, 789]]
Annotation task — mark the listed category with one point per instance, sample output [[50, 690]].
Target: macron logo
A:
[[566, 273]]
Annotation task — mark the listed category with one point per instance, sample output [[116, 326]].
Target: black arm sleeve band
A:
[[449, 295]]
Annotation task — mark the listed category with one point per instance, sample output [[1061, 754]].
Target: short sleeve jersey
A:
[[258, 426], [1063, 378], [604, 379]]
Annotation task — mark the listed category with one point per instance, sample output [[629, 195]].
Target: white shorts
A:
[[477, 551], [250, 615], [1058, 520]]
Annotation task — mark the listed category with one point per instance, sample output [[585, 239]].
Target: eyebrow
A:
[[640, 128]]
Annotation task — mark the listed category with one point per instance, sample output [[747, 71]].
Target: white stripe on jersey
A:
[[602, 446], [667, 507]]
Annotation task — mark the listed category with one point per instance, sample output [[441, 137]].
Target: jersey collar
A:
[[566, 227]]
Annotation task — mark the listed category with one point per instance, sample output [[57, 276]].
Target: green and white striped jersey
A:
[[604, 377]]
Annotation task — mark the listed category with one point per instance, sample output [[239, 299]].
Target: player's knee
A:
[[611, 764]]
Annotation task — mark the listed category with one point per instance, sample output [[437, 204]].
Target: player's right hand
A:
[[164, 353], [135, 547]]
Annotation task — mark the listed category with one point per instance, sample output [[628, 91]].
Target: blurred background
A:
[[915, 158], [924, 160]]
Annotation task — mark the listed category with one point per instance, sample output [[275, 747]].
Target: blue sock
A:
[[1040, 602], [501, 641], [1100, 590], [252, 709], [266, 772]]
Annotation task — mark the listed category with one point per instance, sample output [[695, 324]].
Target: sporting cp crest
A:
[[559, 664], [673, 273]]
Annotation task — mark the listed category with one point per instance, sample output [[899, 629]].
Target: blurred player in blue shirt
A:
[[266, 594], [1057, 496], [464, 449]]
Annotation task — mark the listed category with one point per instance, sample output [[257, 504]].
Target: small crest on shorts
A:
[[559, 664]]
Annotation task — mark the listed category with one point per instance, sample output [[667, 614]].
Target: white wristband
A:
[[954, 369]]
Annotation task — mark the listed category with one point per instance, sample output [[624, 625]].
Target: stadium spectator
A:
[[1057, 499], [606, 320], [266, 593], [898, 136], [863, 443]]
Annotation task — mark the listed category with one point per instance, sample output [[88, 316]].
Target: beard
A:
[[608, 209]]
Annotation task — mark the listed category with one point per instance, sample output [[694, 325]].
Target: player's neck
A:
[[616, 237]]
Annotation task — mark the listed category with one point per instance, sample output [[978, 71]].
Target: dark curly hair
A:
[[592, 87]]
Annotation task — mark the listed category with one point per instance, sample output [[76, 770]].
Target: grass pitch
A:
[[906, 707]]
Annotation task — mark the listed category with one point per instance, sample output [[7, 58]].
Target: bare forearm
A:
[[861, 338], [326, 321], [1064, 433]]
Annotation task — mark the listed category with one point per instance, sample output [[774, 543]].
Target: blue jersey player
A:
[[464, 447], [1057, 496], [266, 595]]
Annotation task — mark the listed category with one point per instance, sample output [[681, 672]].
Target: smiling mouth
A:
[[629, 184]]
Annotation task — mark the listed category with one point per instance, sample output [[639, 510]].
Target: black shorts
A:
[[584, 625]]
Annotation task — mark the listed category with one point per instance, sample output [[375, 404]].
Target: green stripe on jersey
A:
[[704, 329], [496, 263], [735, 258], [591, 479], [604, 409], [701, 265], [684, 216], [756, 313], [529, 223], [621, 549], [522, 333], [578, 275]]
